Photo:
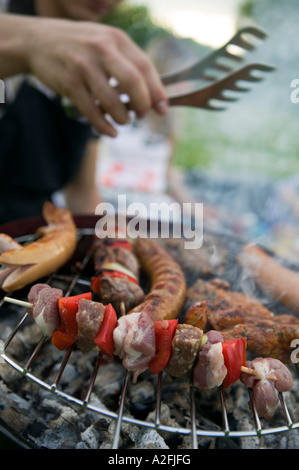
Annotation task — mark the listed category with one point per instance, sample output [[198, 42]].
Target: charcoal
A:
[[150, 439]]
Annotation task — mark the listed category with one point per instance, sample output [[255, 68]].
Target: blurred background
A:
[[243, 163]]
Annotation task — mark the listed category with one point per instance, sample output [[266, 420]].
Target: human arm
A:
[[76, 60]]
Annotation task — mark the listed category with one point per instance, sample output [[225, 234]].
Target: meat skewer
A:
[[22, 303], [179, 349], [117, 273]]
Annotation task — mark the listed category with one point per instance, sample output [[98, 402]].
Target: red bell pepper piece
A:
[[121, 243], [68, 308], [234, 353], [164, 333], [96, 280], [96, 284], [119, 274], [104, 337]]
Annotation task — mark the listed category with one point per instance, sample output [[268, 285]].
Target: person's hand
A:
[[77, 59]]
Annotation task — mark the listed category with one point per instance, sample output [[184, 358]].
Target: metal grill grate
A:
[[71, 282]]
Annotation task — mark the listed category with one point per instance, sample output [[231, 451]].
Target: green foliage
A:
[[246, 8], [136, 21]]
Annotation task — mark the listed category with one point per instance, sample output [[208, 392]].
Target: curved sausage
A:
[[55, 245], [280, 283], [168, 286]]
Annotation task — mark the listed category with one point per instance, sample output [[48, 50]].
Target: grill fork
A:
[[233, 50], [197, 85]]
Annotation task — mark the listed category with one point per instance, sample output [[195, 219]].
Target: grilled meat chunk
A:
[[210, 370], [44, 300], [220, 307], [198, 314], [269, 376], [213, 306], [185, 346], [134, 340], [266, 337], [118, 290], [89, 318]]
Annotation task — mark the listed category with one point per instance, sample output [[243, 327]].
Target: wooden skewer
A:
[[22, 303], [271, 377], [122, 309], [250, 371]]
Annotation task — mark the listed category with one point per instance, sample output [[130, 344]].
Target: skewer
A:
[[248, 370], [118, 421], [122, 309], [22, 303]]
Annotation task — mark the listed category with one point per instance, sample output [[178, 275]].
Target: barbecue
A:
[[109, 409]]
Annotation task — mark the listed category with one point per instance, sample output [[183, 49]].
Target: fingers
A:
[[133, 82], [108, 96], [85, 102], [108, 53], [148, 77], [122, 59]]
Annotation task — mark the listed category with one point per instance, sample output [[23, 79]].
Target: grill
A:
[[73, 281]]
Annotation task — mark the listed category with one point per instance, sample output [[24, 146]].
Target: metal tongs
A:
[[200, 94]]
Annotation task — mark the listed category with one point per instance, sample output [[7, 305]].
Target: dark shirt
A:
[[41, 148], [21, 7]]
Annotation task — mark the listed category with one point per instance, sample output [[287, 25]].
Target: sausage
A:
[[276, 281], [168, 286], [267, 337], [8, 243], [55, 245]]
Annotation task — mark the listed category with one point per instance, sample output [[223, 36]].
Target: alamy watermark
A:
[[294, 97], [155, 220], [2, 92], [295, 353]]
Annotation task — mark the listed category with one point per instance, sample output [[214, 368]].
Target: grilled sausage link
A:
[[275, 280], [56, 244], [168, 286]]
